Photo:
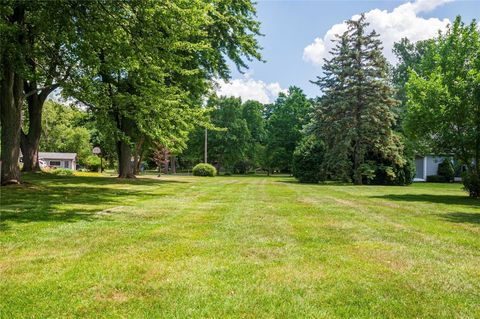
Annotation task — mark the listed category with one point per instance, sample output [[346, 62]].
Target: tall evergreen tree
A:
[[355, 117]]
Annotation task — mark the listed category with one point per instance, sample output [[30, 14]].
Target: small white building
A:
[[426, 165], [58, 160]]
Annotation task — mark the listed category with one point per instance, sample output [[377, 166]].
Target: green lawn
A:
[[248, 247]]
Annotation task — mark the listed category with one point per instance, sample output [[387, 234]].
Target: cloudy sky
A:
[[298, 33]]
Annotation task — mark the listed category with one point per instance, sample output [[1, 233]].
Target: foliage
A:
[[446, 170], [161, 156], [204, 169], [62, 131], [228, 146], [308, 160], [385, 172], [145, 78], [236, 140], [38, 53], [355, 116], [471, 183], [409, 57], [443, 108], [92, 163], [62, 172], [286, 118], [436, 179]]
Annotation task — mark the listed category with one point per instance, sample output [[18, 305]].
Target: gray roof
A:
[[54, 155]]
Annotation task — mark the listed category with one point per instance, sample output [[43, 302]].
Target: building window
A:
[[54, 163], [67, 164]]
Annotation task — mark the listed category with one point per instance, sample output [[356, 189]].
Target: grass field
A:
[[228, 247]]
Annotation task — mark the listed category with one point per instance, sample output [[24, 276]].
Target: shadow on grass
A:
[[50, 198], [429, 198], [471, 218], [327, 183]]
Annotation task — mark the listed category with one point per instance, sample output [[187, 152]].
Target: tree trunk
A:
[[125, 167], [174, 164], [11, 101], [165, 167], [137, 157], [357, 174], [30, 142]]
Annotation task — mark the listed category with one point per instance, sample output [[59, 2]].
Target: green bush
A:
[[204, 169], [471, 183], [92, 163], [436, 179], [308, 160], [446, 170], [62, 172], [386, 172]]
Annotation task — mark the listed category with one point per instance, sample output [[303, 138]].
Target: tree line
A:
[[141, 68], [141, 72], [371, 118]]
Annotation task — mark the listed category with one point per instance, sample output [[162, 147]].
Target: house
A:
[[58, 160], [426, 165]]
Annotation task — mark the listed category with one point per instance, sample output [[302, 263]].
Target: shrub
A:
[[62, 172], [204, 169], [92, 163], [471, 183], [446, 170], [389, 173], [436, 179], [308, 160]]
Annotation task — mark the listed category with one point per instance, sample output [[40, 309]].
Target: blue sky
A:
[[290, 26]]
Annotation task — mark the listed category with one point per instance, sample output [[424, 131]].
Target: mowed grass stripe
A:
[[247, 247]]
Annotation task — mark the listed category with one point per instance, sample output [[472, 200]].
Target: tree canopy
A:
[[443, 107]]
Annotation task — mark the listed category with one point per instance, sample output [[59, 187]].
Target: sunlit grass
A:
[[250, 247]]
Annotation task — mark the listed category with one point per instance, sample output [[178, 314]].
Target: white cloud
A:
[[392, 26], [249, 89]]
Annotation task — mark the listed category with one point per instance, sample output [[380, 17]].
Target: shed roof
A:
[[55, 155]]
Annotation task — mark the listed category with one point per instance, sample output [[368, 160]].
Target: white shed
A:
[[59, 160], [427, 165]]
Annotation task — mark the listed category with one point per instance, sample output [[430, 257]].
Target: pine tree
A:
[[355, 115]]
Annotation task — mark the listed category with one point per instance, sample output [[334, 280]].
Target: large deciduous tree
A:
[[36, 49], [286, 118], [443, 108], [151, 62], [409, 57], [355, 116]]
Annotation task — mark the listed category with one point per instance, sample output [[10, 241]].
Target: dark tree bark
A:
[[125, 167], [11, 101], [124, 149], [174, 164], [30, 141]]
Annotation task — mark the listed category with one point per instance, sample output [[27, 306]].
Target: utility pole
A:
[[206, 144]]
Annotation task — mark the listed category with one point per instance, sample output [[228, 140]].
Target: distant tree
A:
[[287, 116], [148, 65], [308, 160], [62, 132], [252, 112], [161, 156], [443, 108], [409, 57], [228, 147], [355, 116], [37, 55]]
